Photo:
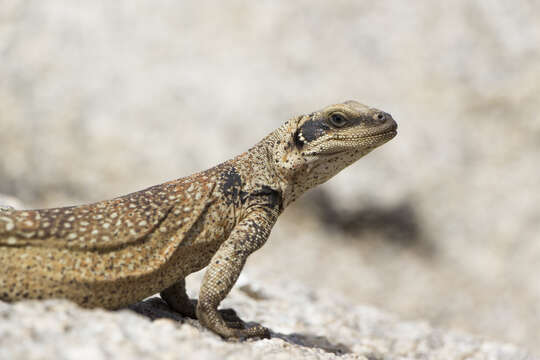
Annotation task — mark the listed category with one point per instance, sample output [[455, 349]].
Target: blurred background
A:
[[102, 98]]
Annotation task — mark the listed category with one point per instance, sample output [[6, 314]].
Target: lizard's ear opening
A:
[[311, 127], [293, 136], [286, 150], [298, 139]]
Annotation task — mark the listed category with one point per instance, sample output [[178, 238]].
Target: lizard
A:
[[116, 252]]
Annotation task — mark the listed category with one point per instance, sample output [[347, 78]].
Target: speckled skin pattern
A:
[[117, 252]]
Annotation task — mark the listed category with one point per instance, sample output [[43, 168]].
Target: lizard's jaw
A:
[[341, 143]]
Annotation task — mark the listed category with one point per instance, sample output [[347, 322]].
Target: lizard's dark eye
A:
[[338, 120], [380, 116]]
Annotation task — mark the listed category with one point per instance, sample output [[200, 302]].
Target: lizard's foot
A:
[[257, 331], [230, 317], [229, 326], [238, 331]]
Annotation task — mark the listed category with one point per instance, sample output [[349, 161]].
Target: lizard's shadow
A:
[[313, 341], [155, 308]]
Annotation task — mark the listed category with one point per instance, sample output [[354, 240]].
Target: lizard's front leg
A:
[[177, 298], [224, 269]]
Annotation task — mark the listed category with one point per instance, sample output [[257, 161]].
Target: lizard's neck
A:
[[276, 164]]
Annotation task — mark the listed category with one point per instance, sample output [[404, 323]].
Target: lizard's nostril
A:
[[381, 117]]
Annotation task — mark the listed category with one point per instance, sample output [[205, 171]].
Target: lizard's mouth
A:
[[390, 130], [360, 141], [389, 134], [385, 134], [386, 131]]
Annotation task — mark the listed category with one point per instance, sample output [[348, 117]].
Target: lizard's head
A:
[[313, 148]]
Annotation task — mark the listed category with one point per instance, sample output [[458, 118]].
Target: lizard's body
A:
[[116, 252]]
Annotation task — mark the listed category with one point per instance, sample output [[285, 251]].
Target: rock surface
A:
[[304, 324]]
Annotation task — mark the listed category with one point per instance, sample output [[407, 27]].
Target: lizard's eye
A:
[[338, 120]]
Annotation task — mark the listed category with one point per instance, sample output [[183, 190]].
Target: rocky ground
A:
[[304, 323], [99, 99]]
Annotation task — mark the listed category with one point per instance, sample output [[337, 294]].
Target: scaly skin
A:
[[117, 252]]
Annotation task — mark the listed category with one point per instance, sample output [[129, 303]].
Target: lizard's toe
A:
[[257, 331]]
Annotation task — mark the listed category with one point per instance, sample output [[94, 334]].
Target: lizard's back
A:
[[114, 252]]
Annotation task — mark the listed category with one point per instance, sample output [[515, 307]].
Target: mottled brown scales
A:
[[116, 252]]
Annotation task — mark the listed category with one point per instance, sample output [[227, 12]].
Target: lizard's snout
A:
[[393, 124], [386, 120]]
